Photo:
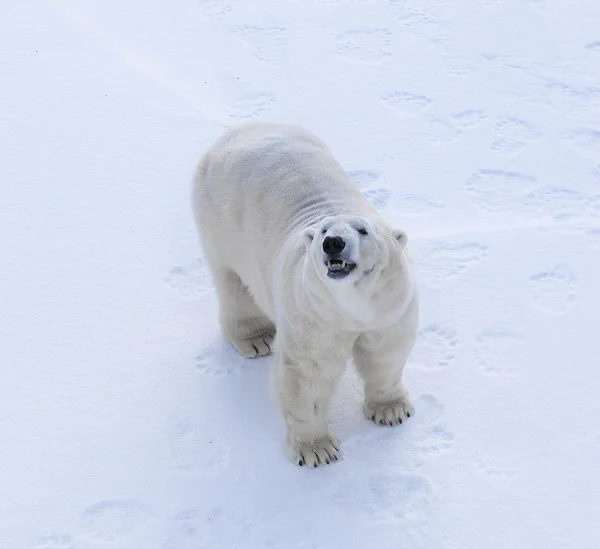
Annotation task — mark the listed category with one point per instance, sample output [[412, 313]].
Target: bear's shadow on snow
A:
[[244, 390], [246, 398]]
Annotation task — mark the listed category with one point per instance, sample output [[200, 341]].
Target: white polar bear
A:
[[295, 248]]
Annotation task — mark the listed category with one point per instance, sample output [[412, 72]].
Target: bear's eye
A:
[[362, 231], [323, 231]]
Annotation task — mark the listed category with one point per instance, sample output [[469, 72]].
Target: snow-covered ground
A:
[[125, 420]]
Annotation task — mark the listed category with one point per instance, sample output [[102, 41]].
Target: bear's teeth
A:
[[336, 265]]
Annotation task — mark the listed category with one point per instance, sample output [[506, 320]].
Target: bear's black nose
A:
[[333, 245]]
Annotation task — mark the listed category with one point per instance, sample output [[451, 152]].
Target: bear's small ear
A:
[[307, 236], [400, 237]]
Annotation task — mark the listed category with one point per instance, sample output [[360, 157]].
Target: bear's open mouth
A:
[[339, 268]]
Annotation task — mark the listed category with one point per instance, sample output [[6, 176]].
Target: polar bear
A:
[[306, 267]]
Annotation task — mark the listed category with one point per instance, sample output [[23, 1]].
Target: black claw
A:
[[381, 422], [327, 461], [315, 464], [399, 419], [373, 417], [255, 349], [407, 414], [301, 463]]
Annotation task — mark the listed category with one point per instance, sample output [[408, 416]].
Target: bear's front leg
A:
[[304, 390], [380, 358]]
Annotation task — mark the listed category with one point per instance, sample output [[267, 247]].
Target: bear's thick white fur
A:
[[265, 198]]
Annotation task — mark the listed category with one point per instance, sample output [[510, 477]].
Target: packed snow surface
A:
[[127, 422]]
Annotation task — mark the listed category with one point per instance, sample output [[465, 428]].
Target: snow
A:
[[127, 423]]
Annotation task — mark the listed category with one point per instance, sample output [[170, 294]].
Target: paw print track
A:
[[406, 103], [267, 43], [220, 360], [378, 197], [500, 191], [55, 541], [432, 442], [198, 450], [513, 135], [593, 238], [369, 46], [425, 25], [191, 529], [284, 544], [242, 102], [111, 519], [469, 119], [593, 46], [435, 348], [405, 495], [553, 291], [428, 409], [586, 142], [394, 495], [216, 8], [364, 179], [495, 472], [440, 130], [445, 260], [414, 204], [496, 354], [559, 205], [192, 281]]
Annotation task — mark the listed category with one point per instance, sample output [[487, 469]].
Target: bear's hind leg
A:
[[245, 326]]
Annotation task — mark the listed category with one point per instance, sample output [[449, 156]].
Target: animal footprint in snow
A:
[[221, 360], [191, 281], [370, 46], [498, 190], [291, 545], [593, 238], [406, 103], [593, 46], [469, 119], [435, 347], [364, 179], [586, 142], [378, 197], [428, 409], [198, 450], [55, 541], [267, 43], [494, 471], [440, 130], [512, 135], [432, 441], [446, 260], [405, 495], [216, 529], [216, 8], [426, 25], [387, 496], [560, 205], [553, 291], [242, 101], [414, 204], [111, 519], [495, 352]]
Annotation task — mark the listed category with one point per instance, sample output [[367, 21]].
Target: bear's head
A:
[[347, 249]]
